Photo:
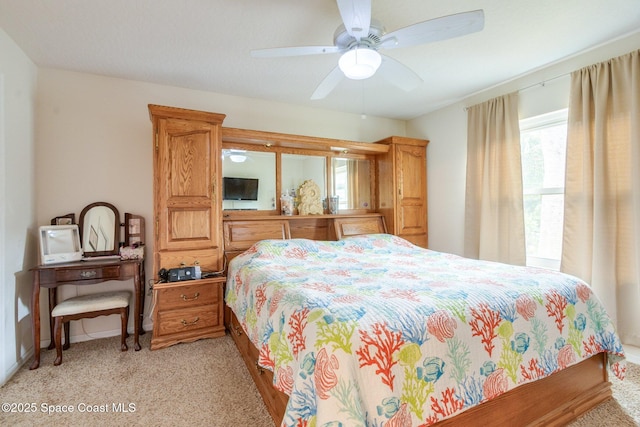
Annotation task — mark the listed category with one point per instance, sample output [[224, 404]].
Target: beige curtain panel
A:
[[494, 218], [602, 195]]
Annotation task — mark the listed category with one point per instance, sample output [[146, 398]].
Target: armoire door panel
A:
[[190, 225], [187, 203], [412, 207], [412, 220], [411, 166], [189, 155]]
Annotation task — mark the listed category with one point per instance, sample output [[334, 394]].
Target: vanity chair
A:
[[88, 306]]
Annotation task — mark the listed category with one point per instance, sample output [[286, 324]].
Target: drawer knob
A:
[[88, 274], [185, 323], [259, 368], [185, 298], [238, 330]]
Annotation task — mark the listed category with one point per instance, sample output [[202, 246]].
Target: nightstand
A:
[[187, 311]]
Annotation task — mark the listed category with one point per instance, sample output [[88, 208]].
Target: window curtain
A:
[[601, 242], [494, 217], [352, 184]]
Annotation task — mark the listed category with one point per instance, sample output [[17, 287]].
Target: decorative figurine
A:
[[309, 196]]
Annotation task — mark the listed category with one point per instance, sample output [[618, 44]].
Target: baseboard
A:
[[14, 368], [632, 353], [147, 325]]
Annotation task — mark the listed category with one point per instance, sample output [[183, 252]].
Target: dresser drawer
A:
[[188, 319], [187, 294], [89, 273]]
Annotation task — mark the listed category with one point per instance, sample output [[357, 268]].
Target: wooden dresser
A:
[[187, 223]]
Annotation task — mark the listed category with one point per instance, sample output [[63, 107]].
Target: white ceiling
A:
[[205, 44]]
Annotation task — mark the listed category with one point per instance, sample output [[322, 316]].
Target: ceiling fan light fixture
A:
[[359, 63]]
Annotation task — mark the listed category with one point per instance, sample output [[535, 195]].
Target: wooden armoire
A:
[[402, 188], [187, 224]]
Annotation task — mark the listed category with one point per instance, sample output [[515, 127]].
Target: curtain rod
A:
[[541, 83]]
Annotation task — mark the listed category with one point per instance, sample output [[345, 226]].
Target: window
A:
[[543, 141]]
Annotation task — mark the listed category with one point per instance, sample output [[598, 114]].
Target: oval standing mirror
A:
[[100, 229]]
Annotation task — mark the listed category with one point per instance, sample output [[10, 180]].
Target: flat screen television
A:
[[59, 243], [239, 188]]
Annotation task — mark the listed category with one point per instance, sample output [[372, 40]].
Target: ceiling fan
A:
[[359, 38]]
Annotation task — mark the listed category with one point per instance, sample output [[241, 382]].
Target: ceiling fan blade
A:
[[356, 16], [398, 74], [445, 27], [328, 84], [277, 52]]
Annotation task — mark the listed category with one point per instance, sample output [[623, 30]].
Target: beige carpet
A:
[[204, 383]]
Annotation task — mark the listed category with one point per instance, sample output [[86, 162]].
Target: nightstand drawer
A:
[[188, 319], [187, 294]]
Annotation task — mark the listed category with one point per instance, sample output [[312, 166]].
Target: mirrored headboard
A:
[[282, 162]]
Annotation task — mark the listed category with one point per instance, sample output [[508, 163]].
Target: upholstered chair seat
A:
[[88, 306]]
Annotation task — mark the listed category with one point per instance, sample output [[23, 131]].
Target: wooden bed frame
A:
[[551, 401]]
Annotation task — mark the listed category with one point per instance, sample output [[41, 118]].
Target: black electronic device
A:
[[181, 274], [239, 188]]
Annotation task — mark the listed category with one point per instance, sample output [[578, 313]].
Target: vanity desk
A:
[[84, 273], [99, 231]]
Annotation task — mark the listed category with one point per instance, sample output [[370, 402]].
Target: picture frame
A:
[[133, 229], [68, 219]]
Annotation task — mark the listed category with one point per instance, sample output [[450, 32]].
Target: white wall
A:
[[542, 91], [94, 144], [17, 208]]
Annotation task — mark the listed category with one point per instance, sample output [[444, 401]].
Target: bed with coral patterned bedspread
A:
[[375, 331]]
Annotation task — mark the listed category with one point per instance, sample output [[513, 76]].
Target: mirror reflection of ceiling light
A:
[[237, 156], [359, 63]]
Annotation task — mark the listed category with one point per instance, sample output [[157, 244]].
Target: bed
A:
[[372, 330]]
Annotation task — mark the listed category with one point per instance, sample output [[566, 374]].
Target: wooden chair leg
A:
[[58, 340], [124, 317], [52, 302], [128, 309], [67, 336]]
